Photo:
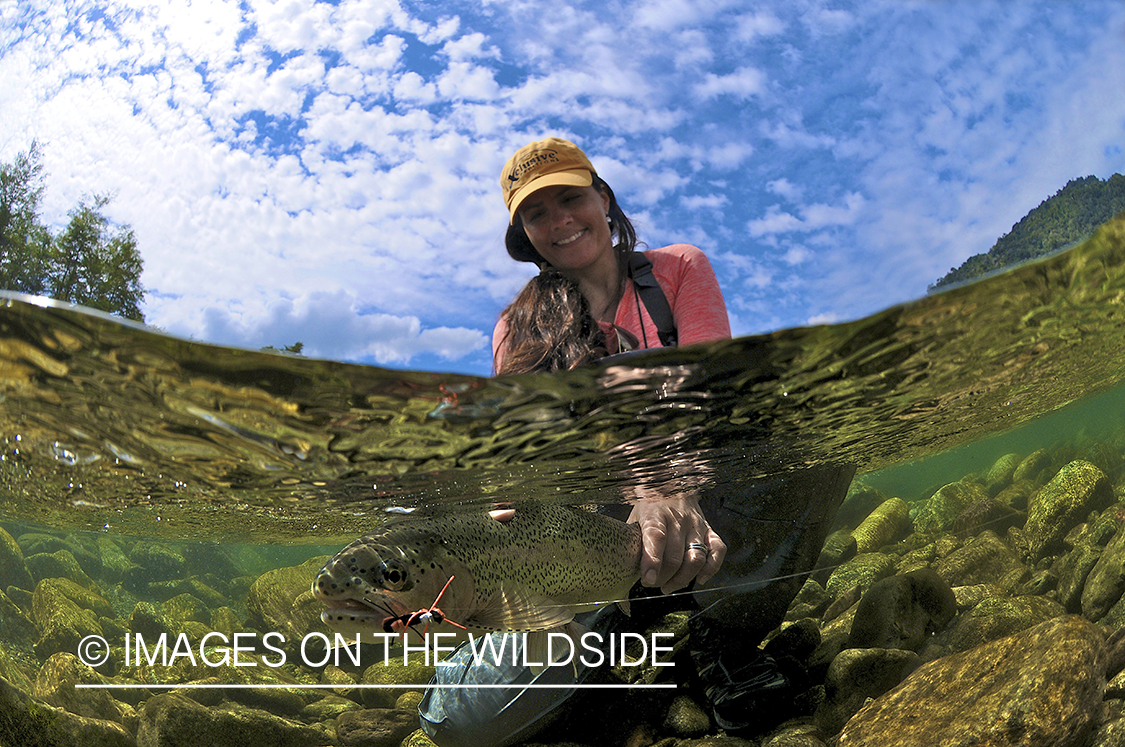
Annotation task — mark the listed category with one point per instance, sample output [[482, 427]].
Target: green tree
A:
[[90, 262], [24, 241], [95, 266]]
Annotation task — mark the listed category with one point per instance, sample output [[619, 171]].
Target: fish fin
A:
[[514, 608], [625, 607]]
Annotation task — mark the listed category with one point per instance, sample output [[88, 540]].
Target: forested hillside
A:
[[1068, 217]]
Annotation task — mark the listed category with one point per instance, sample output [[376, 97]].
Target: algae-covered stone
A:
[[16, 627], [59, 564], [1073, 571], [1032, 465], [27, 722], [1042, 686], [839, 548], [901, 612], [987, 514], [999, 617], [1106, 581], [56, 682], [1067, 499], [415, 672], [811, 601], [281, 600], [173, 719], [65, 613], [375, 727], [1000, 474], [862, 570], [184, 608], [937, 513], [888, 523], [860, 502], [856, 675], [984, 559], [685, 718], [13, 569]]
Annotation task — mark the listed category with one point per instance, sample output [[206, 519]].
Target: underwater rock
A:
[[1016, 495], [328, 707], [281, 600], [987, 514], [172, 719], [839, 548], [27, 722], [155, 562], [414, 672], [1106, 581], [861, 501], [938, 512], [970, 596], [1032, 465], [147, 620], [18, 628], [1067, 499], [902, 612], [165, 590], [58, 564], [185, 608], [856, 675], [917, 558], [375, 727], [1040, 687], [798, 640], [811, 601], [984, 559], [862, 570], [889, 522], [56, 682], [114, 562], [1000, 474], [13, 569], [795, 735], [1111, 734], [998, 617], [686, 718], [65, 613]]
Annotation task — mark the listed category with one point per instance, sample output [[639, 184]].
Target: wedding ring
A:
[[698, 546]]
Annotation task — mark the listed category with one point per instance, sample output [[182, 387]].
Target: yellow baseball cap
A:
[[549, 162]]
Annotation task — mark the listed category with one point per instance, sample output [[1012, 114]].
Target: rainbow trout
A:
[[532, 573]]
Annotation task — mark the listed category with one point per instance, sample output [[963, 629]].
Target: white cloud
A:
[[813, 217], [741, 84]]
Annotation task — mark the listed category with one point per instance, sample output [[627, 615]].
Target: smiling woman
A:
[[596, 295]]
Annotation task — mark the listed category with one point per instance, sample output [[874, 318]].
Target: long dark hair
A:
[[550, 324]]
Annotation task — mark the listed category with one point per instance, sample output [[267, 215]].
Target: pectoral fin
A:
[[513, 608]]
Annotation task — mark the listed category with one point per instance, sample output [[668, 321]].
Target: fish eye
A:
[[392, 575]]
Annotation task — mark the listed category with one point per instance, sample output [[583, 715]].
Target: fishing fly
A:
[[399, 624]]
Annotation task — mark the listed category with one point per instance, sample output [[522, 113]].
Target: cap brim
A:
[[575, 178]]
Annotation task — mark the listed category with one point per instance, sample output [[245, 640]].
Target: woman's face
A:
[[567, 226]]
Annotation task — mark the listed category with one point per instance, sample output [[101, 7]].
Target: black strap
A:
[[652, 295]]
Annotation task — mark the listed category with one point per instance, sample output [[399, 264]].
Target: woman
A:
[[595, 296], [585, 304]]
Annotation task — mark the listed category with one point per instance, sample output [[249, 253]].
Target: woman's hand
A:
[[672, 531]]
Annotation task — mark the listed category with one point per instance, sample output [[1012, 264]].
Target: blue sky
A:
[[329, 171]]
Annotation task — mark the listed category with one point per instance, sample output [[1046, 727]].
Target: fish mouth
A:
[[376, 607]]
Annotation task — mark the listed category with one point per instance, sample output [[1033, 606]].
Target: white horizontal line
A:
[[488, 686]]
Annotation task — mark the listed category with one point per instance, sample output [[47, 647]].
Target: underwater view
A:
[[926, 511]]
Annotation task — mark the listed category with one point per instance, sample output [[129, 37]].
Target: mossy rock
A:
[[1066, 500], [281, 600], [862, 570], [13, 569], [996, 618], [173, 719], [58, 564], [938, 513]]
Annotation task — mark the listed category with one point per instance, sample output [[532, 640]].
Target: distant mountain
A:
[[1068, 217]]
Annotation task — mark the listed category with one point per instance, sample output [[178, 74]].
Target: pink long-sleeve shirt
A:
[[689, 283]]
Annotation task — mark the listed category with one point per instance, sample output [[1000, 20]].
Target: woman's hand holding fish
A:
[[672, 531]]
